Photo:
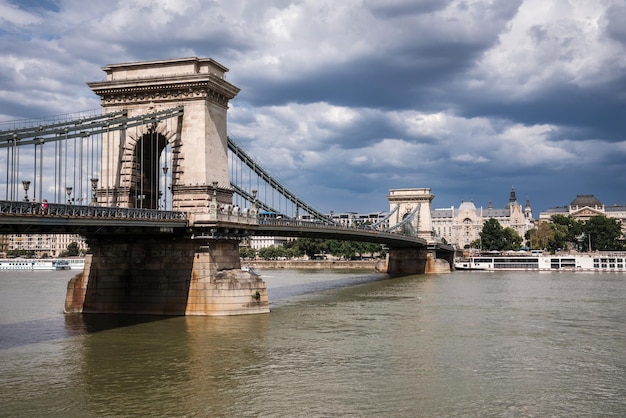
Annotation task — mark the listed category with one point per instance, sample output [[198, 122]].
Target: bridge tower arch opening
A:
[[148, 170]]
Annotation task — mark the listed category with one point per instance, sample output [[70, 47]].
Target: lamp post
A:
[[94, 186], [165, 187], [26, 184], [68, 190]]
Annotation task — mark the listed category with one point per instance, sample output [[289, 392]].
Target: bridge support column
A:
[[406, 261], [445, 261], [434, 264], [415, 261], [165, 277]]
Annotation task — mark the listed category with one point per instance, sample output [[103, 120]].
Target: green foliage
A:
[[21, 253], [311, 246], [564, 232], [494, 237], [271, 253], [73, 250], [540, 237], [314, 246], [247, 252], [352, 249], [604, 233]]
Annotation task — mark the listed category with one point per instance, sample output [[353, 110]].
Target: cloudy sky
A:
[[343, 100]]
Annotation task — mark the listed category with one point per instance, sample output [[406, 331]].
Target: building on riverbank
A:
[[586, 206], [462, 226], [42, 245]]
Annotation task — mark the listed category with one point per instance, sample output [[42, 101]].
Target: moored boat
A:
[[605, 262], [42, 264]]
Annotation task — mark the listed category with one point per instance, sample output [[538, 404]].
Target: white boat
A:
[[605, 262], [42, 264]]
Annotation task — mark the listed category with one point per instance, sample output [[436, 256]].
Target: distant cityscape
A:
[[461, 226]]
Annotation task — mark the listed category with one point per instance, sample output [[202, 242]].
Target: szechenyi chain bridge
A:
[[163, 197]]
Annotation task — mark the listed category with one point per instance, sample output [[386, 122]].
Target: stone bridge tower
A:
[[432, 259], [409, 200], [195, 143], [166, 273]]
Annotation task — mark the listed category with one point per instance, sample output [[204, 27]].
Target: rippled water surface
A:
[[465, 344]]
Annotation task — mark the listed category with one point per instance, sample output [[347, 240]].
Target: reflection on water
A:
[[153, 364], [335, 344]]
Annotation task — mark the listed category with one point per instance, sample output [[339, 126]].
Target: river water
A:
[[349, 344]]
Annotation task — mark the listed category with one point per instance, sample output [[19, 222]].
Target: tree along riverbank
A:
[[311, 264]]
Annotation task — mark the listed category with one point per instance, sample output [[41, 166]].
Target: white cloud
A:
[[551, 42], [470, 158], [12, 15]]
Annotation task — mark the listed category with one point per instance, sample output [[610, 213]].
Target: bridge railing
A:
[[59, 210], [312, 224]]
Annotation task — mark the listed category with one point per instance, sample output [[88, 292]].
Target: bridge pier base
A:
[[157, 276], [415, 261], [406, 261]]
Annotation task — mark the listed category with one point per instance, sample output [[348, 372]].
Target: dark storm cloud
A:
[[390, 9], [35, 5], [615, 17], [390, 82], [596, 112], [414, 72]]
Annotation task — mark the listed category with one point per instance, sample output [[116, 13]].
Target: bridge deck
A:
[[27, 218]]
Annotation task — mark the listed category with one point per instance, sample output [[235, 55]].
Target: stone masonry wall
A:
[[165, 277]]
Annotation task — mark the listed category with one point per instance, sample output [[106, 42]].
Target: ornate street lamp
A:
[[94, 186], [26, 184]]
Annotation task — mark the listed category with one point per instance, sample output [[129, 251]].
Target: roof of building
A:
[[586, 200], [467, 206], [496, 213], [441, 213], [615, 208]]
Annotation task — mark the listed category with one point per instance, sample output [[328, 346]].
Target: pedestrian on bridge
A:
[[44, 207]]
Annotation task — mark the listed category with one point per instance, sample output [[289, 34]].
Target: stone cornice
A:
[[175, 88], [586, 211]]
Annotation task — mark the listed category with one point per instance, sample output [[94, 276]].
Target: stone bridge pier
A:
[[165, 276], [418, 261]]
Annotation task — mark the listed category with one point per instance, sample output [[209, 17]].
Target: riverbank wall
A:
[[311, 264]]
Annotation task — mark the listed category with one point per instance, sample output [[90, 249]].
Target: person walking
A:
[[44, 207]]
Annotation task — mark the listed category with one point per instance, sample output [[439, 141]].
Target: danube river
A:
[[336, 344]]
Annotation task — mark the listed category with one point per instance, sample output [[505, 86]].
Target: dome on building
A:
[[467, 206], [586, 200]]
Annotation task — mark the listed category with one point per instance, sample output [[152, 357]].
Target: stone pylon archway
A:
[[192, 149], [408, 200], [166, 274]]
